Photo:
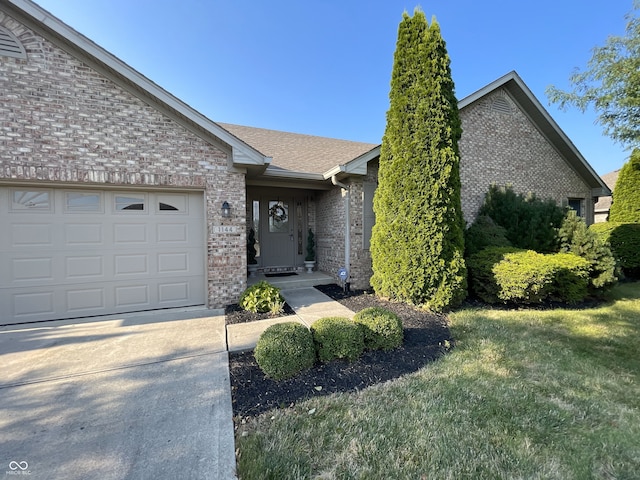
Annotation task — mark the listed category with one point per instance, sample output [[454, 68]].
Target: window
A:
[[172, 203], [83, 202], [278, 217], [33, 200], [129, 203], [577, 205], [256, 225]]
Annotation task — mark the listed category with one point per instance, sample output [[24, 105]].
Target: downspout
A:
[[347, 223]]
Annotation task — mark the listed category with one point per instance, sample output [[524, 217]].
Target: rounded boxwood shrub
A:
[[261, 298], [285, 349], [337, 337], [382, 329]]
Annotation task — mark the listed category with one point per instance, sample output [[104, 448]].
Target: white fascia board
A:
[[243, 154], [292, 175], [357, 166]]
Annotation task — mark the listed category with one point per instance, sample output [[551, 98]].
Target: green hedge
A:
[[382, 328], [337, 337], [506, 275], [624, 239], [285, 349]]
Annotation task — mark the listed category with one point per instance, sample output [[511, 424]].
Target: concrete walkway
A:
[[308, 303]]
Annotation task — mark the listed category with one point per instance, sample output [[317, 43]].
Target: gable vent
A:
[[10, 46], [502, 105]]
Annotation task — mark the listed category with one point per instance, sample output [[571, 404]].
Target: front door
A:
[[281, 231]]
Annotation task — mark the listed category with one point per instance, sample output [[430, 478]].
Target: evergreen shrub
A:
[[337, 337], [417, 242], [624, 239], [530, 223], [483, 233], [261, 298], [626, 194], [481, 277], [527, 277], [576, 238], [382, 329], [285, 349]]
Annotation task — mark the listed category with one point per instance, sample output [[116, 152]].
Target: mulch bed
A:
[[235, 314], [425, 335]]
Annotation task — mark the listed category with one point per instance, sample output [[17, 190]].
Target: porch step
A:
[[300, 280]]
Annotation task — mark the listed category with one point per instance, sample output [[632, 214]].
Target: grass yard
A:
[[526, 394]]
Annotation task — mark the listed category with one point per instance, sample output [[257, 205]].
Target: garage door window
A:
[[172, 203], [130, 203], [83, 202], [34, 200]]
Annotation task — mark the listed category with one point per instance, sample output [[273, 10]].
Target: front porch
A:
[[293, 280]]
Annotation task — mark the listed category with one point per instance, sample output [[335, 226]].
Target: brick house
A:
[[113, 192]]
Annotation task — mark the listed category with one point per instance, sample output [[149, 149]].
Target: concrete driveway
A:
[[136, 396]]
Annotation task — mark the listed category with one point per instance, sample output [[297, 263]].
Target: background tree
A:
[[611, 84], [417, 242], [626, 194]]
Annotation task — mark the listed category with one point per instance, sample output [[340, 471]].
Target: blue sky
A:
[[324, 67]]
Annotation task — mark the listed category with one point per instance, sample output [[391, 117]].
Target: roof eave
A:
[[357, 166]]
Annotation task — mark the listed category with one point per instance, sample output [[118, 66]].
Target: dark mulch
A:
[[425, 335], [235, 314]]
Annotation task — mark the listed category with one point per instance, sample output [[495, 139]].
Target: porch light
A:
[[226, 209]]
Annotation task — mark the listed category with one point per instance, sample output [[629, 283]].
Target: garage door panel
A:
[[172, 232], [132, 264], [32, 269], [81, 256], [127, 233], [84, 267], [77, 234], [173, 292], [33, 304], [31, 235], [84, 300], [136, 295]]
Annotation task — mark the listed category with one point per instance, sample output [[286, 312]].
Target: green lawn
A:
[[524, 394]]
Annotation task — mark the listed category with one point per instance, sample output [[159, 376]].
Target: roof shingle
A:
[[298, 152]]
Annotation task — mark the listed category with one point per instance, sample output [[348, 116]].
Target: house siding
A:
[[62, 122], [499, 145]]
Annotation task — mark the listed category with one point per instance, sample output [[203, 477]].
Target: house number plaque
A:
[[225, 229]]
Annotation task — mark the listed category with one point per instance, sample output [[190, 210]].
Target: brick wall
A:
[[61, 121], [329, 217], [499, 145]]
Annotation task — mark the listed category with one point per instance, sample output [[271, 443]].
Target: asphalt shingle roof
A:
[[298, 152]]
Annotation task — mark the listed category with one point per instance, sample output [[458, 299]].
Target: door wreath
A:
[[278, 213]]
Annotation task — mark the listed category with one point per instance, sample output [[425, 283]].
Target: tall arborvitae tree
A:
[[417, 242], [626, 194]]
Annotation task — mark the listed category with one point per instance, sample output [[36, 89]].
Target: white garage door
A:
[[68, 253]]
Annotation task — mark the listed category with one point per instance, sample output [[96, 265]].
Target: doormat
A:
[[281, 274]]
